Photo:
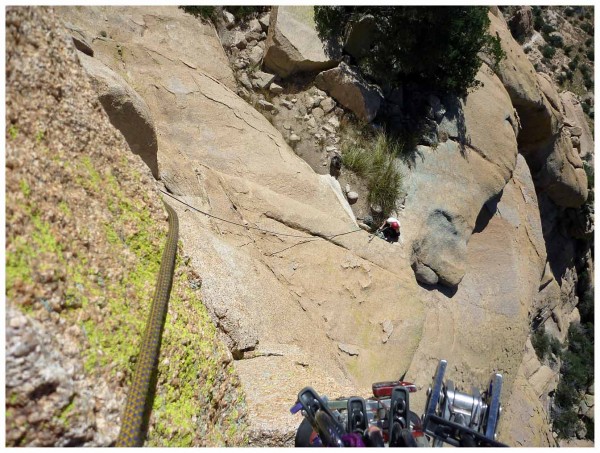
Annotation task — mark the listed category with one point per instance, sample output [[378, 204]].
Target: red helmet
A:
[[395, 226]]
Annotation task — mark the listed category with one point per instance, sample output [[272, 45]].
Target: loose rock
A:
[[348, 349]]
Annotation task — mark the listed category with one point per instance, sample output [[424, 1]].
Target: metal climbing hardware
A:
[[451, 416]]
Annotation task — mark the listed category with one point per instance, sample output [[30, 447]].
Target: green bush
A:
[[588, 28], [436, 46], [541, 342], [372, 157], [538, 20], [589, 42], [590, 54], [547, 29], [204, 12], [573, 64], [589, 426], [565, 424], [555, 41], [569, 12], [569, 75], [555, 346], [577, 374], [548, 51]]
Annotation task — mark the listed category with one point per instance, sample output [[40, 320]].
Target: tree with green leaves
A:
[[437, 46]]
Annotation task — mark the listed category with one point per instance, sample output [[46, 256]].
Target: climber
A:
[[389, 230]]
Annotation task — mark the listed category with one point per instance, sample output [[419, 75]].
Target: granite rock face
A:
[[293, 44]]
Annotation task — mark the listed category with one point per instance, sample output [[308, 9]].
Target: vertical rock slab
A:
[[562, 175], [448, 185], [520, 80], [483, 325], [541, 139], [576, 118]]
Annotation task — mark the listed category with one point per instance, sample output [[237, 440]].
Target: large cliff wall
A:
[[296, 291]]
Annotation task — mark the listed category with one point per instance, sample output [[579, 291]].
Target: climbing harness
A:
[[451, 416], [137, 407]]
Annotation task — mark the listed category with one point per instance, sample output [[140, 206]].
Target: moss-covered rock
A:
[[84, 239]]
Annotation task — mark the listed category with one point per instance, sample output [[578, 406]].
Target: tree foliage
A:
[[577, 374], [433, 45]]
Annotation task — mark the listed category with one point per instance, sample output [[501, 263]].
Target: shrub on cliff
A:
[[432, 45], [372, 156]]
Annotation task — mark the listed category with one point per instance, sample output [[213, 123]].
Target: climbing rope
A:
[[310, 238], [136, 409], [133, 420]]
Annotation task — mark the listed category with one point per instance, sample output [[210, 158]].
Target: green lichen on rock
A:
[[104, 282], [198, 398]]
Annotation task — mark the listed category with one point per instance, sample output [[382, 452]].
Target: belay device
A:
[[451, 416]]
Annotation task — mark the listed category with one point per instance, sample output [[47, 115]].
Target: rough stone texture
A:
[[265, 292], [574, 115], [505, 260], [70, 181], [264, 21], [350, 89], [256, 55], [263, 79], [44, 381], [80, 39], [448, 186], [293, 44], [349, 349], [562, 175], [520, 80], [576, 443], [126, 109], [542, 136], [521, 23], [525, 421]]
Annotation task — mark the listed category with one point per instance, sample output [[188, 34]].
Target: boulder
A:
[[359, 38], [327, 104], [264, 21], [238, 39], [574, 115], [254, 25], [262, 79], [347, 86], [348, 349], [275, 89], [352, 197], [229, 19], [521, 23], [256, 55], [293, 44], [127, 111], [245, 80], [265, 105]]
